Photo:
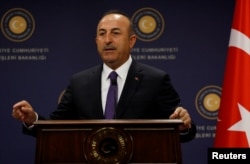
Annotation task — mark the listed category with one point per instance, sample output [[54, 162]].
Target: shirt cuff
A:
[[184, 132], [31, 126]]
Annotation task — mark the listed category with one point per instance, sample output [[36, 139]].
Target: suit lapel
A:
[[132, 83], [95, 89]]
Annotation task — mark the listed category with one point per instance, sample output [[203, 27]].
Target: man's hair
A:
[[114, 11]]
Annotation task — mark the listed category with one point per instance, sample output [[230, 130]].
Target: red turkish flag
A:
[[233, 126]]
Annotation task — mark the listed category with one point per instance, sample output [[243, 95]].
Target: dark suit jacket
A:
[[147, 94]]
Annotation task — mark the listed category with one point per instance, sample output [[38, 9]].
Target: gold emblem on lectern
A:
[[108, 145]]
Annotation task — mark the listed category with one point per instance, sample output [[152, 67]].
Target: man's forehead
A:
[[112, 20], [115, 16], [111, 17]]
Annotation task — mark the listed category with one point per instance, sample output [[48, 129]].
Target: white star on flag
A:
[[244, 124]]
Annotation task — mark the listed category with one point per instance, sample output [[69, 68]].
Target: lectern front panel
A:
[[112, 141]]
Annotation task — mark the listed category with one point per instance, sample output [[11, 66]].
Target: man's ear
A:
[[132, 40]]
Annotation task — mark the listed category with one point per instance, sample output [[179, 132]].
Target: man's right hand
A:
[[24, 112]]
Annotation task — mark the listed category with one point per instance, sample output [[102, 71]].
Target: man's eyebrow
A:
[[116, 28], [101, 29]]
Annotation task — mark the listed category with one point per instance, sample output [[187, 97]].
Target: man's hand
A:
[[24, 112], [181, 113]]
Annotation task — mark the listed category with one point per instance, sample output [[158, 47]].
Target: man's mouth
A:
[[109, 48]]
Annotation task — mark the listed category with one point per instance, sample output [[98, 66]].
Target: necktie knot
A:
[[113, 76]]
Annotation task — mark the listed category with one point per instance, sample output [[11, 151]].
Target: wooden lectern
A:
[[108, 141]]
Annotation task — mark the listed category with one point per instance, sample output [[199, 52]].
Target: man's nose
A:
[[108, 38]]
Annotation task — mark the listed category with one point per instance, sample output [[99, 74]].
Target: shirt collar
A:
[[122, 71]]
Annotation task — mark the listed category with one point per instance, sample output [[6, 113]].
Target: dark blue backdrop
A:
[[196, 34]]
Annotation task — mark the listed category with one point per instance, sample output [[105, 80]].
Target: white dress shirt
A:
[[122, 72]]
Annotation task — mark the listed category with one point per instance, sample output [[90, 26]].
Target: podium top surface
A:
[[109, 122]]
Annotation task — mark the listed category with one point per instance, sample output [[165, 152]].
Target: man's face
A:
[[113, 40]]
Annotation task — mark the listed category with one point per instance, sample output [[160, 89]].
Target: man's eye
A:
[[116, 33]]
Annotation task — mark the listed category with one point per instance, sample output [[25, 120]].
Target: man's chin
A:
[[110, 62], [109, 59]]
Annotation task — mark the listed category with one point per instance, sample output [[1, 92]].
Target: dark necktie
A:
[[111, 97]]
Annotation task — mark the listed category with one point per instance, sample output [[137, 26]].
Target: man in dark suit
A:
[[144, 92]]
